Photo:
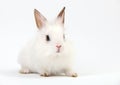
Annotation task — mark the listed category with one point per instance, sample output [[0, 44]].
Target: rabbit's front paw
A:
[[45, 74], [74, 75], [71, 73], [24, 71]]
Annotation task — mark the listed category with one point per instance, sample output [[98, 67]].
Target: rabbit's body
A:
[[49, 53], [37, 57]]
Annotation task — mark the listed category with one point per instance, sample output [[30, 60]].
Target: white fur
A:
[[40, 56]]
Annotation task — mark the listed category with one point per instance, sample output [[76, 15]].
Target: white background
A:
[[93, 25]]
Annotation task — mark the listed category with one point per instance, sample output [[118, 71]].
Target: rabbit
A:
[[49, 53]]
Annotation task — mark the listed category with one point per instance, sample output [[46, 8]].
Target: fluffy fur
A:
[[41, 56]]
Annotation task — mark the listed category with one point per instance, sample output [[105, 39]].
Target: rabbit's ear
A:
[[61, 16], [39, 18]]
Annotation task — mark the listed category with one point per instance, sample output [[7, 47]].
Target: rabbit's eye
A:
[[47, 38], [64, 36]]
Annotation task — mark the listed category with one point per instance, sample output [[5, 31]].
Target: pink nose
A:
[[58, 46]]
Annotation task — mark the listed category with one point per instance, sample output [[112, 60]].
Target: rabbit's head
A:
[[51, 33]]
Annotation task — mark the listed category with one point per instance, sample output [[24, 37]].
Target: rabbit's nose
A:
[[58, 46]]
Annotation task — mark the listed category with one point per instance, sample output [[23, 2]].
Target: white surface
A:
[[94, 26], [12, 77]]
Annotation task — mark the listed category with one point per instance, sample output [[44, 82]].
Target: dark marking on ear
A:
[[61, 15], [39, 18]]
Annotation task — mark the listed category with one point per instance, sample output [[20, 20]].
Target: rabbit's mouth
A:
[[58, 50]]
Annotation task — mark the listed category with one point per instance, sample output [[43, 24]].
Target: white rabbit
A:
[[49, 53]]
